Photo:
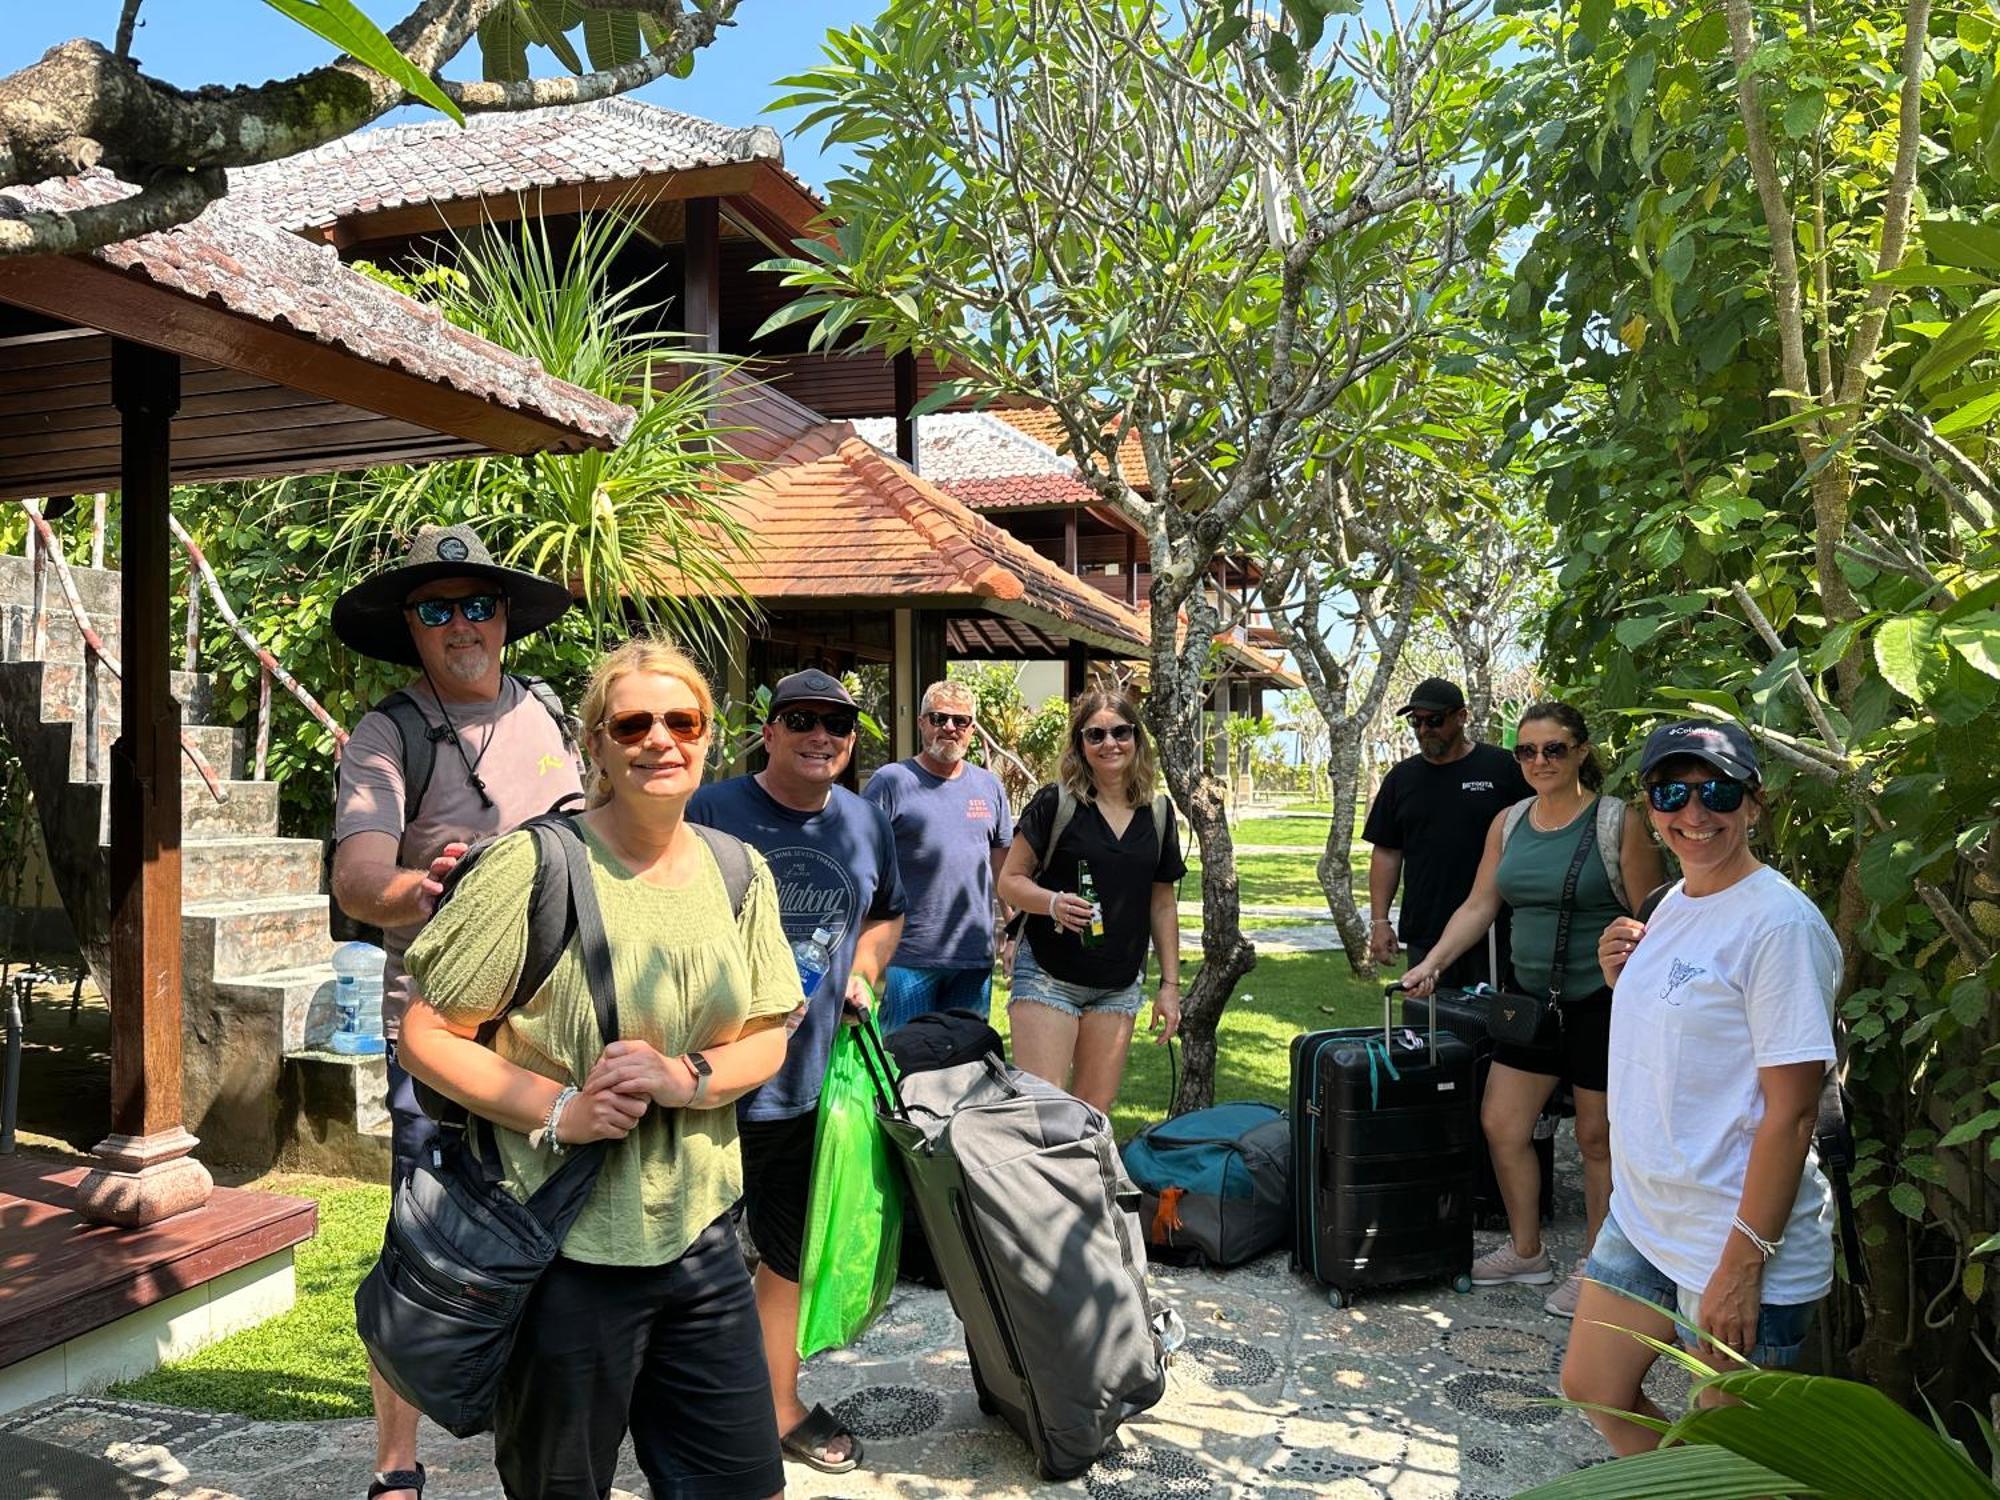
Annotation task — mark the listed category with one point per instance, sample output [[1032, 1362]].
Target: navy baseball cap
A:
[[809, 686], [1726, 745]]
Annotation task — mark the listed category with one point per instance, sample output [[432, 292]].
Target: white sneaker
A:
[[1561, 1302], [1502, 1266]]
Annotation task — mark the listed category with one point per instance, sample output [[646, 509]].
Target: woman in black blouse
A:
[[1079, 980]]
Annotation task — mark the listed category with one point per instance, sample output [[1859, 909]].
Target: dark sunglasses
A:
[[685, 724], [1553, 751], [1429, 721], [839, 722], [954, 721], [477, 609], [1722, 795], [1097, 734]]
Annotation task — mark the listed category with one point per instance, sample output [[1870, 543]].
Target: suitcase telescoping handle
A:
[[1389, 993]]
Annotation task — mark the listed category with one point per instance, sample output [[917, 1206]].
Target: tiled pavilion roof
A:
[[833, 517], [609, 140], [987, 463]]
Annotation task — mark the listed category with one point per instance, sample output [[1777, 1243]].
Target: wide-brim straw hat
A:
[[369, 618]]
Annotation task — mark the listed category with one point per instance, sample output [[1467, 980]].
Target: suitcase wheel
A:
[[1462, 1284], [1335, 1297]]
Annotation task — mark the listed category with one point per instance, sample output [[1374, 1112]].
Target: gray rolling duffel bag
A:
[[1035, 1228]]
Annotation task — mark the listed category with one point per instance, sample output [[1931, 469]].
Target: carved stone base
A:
[[143, 1179]]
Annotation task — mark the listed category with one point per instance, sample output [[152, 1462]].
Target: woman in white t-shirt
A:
[[1721, 1034]]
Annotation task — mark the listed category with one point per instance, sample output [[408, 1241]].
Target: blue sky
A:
[[192, 42]]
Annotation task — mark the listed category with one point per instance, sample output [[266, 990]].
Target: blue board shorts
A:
[[1616, 1262]]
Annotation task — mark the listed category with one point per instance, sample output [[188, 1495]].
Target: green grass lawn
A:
[[1280, 879], [308, 1365], [1304, 832]]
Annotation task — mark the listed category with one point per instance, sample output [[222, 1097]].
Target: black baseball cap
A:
[[1435, 695], [1724, 744], [809, 686]]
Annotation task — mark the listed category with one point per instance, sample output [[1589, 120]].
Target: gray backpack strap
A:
[[539, 689], [1513, 816], [732, 858], [1611, 846], [420, 741], [1065, 814]]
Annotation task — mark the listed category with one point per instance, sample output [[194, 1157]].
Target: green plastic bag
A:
[[854, 1218]]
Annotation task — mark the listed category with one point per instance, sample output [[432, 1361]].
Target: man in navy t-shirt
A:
[[834, 859], [952, 827]]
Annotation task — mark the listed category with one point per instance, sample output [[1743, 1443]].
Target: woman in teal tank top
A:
[[1529, 851]]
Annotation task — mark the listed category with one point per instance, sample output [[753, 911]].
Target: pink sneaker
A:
[[1561, 1302], [1502, 1266]]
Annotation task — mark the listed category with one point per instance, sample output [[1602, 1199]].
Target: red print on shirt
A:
[[975, 807]]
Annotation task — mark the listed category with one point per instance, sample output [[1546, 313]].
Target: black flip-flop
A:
[[388, 1481], [819, 1428]]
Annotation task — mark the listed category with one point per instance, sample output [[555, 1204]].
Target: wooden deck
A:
[[61, 1277]]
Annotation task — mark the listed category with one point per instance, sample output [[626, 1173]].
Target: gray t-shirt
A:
[[946, 831], [521, 758]]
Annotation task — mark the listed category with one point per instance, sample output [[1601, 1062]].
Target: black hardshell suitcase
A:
[[1035, 1228], [1463, 1014], [1385, 1135]]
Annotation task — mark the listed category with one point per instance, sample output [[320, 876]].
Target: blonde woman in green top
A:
[[646, 1320]]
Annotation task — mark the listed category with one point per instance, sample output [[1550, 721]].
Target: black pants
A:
[[673, 1351]]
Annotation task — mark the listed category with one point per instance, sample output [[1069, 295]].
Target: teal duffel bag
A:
[[1216, 1184]]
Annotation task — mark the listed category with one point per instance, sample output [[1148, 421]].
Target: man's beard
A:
[[947, 751], [1436, 747], [467, 666]]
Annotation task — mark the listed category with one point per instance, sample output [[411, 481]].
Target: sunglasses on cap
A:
[[436, 613], [839, 722], [631, 727], [1552, 752], [949, 721], [1722, 795], [1097, 734], [1428, 721]]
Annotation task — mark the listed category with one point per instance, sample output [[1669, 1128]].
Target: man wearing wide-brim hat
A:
[[463, 752]]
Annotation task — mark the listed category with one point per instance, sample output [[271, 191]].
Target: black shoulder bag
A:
[[1527, 1020], [440, 1309]]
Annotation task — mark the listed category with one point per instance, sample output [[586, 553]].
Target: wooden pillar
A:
[[1132, 570], [1069, 543], [1076, 669], [904, 686], [144, 1172], [931, 647], [906, 398], [701, 276]]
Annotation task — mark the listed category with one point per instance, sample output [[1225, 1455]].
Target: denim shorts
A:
[[1615, 1261], [1032, 982]]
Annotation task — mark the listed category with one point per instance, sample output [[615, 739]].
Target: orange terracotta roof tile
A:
[[832, 517]]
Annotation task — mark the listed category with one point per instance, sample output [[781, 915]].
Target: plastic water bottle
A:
[[357, 999], [814, 956]]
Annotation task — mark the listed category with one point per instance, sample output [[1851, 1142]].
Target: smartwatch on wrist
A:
[[702, 1073]]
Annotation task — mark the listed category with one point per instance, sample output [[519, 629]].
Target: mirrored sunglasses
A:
[[949, 721], [477, 609], [839, 722], [630, 728], [1554, 750], [1097, 734], [1723, 795]]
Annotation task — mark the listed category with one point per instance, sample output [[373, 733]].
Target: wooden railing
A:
[[44, 546]]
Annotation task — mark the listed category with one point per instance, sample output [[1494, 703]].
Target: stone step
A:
[[301, 998], [333, 1115], [250, 812], [224, 868], [63, 693], [62, 639], [254, 935], [220, 746], [97, 587]]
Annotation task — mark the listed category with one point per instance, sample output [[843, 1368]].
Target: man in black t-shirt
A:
[[1428, 824]]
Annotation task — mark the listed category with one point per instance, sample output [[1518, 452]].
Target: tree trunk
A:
[[1336, 865]]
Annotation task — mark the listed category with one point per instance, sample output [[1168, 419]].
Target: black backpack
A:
[[421, 737], [552, 916]]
